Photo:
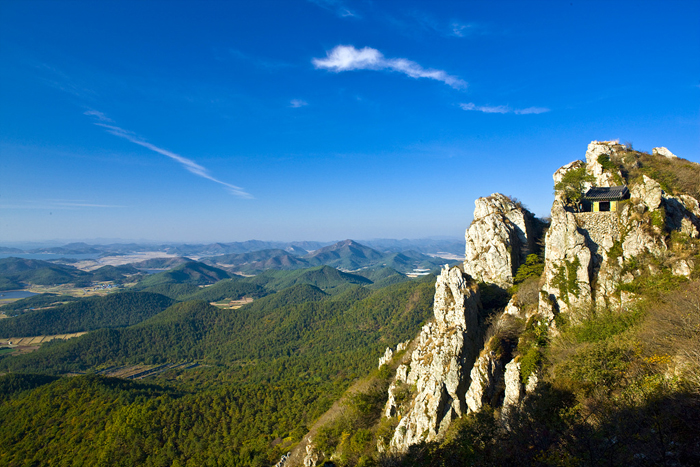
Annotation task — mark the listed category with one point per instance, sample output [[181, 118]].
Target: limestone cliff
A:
[[437, 375], [586, 253], [502, 234], [467, 358]]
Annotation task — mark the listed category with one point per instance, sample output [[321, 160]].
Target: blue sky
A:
[[325, 119]]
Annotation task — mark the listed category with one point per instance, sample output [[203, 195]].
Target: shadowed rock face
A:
[[445, 352], [498, 241]]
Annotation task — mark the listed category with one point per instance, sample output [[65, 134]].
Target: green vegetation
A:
[[532, 268], [275, 366], [572, 185], [324, 277], [191, 272], [36, 301], [114, 310], [566, 279], [610, 393]]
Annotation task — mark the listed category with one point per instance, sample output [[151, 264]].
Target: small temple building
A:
[[604, 199]]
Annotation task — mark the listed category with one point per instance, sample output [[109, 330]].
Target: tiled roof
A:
[[599, 193]]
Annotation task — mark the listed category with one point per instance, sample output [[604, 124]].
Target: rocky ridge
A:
[[460, 362]]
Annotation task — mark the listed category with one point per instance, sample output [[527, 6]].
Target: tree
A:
[[572, 185]]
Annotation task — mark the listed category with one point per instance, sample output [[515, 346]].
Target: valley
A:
[[548, 328]]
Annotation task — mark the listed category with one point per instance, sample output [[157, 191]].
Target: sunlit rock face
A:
[[586, 253], [498, 241], [437, 376], [603, 177]]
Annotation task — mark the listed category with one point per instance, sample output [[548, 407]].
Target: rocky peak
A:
[[502, 235], [604, 177]]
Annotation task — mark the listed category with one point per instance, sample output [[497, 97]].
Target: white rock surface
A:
[[514, 391], [444, 353], [599, 148], [567, 261], [386, 358], [662, 151], [498, 240], [485, 375]]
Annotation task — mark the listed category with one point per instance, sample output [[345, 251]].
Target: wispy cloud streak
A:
[[296, 103], [503, 109], [336, 6], [347, 58], [98, 115], [190, 165]]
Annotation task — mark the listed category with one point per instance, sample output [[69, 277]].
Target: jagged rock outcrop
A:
[[514, 390], [662, 151], [485, 376], [502, 235], [585, 253], [603, 177], [567, 262], [386, 358], [437, 374], [312, 455]]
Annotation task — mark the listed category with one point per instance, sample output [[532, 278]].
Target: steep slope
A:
[[576, 368], [589, 255], [499, 239]]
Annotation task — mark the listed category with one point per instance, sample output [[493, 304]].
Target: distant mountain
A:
[[258, 261], [422, 245], [323, 277], [161, 263], [296, 250], [192, 272], [16, 270], [70, 249], [10, 251], [347, 254], [113, 273]]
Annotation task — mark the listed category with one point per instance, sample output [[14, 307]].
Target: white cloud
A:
[[532, 110], [188, 164], [347, 57], [296, 103], [461, 29], [98, 115], [502, 109]]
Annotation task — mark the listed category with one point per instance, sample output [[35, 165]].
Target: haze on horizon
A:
[[324, 119]]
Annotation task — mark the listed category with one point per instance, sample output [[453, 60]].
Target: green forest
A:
[[265, 373]]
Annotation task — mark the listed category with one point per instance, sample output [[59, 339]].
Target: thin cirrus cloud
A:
[[190, 165], [348, 58], [503, 109], [296, 103], [98, 115], [336, 6]]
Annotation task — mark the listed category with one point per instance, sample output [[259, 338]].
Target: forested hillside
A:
[[114, 310], [270, 369]]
